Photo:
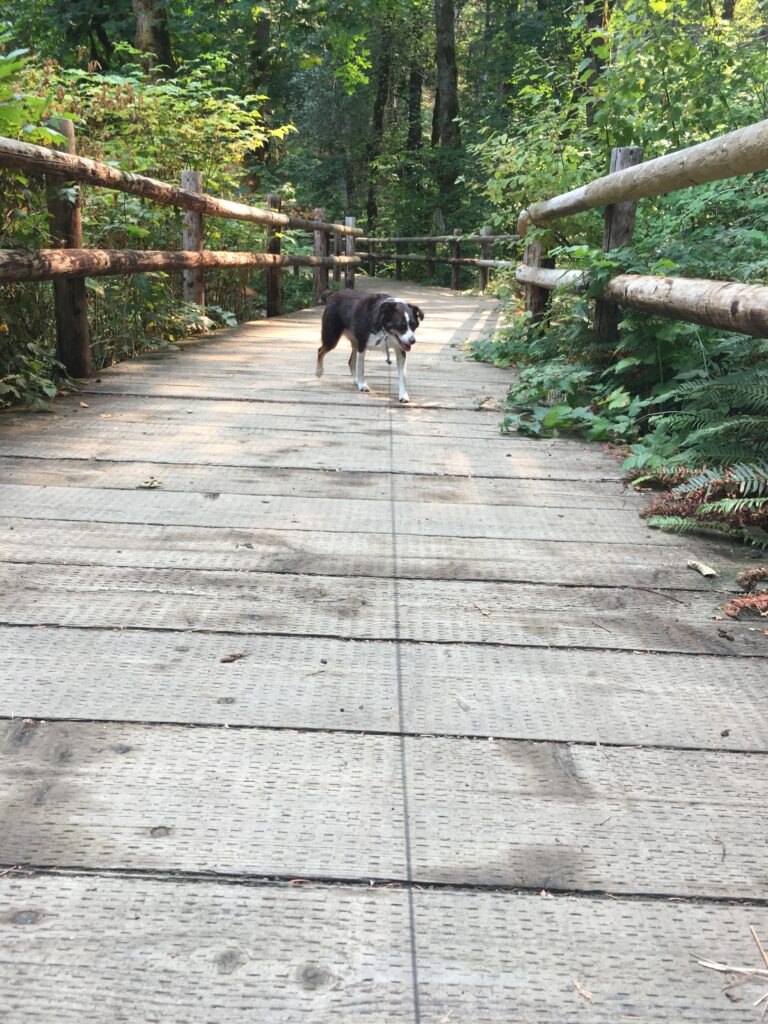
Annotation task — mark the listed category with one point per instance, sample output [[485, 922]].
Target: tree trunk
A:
[[377, 132], [415, 85], [729, 7], [445, 124], [598, 16], [447, 75], [152, 35]]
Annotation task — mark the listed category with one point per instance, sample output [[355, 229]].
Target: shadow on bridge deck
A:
[[317, 707]]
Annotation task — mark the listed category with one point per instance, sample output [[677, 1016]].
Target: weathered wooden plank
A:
[[211, 953], [446, 612], [597, 494], [334, 515], [645, 564], [330, 805], [304, 683]]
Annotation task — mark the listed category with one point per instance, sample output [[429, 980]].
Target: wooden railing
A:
[[725, 304], [484, 264], [68, 263]]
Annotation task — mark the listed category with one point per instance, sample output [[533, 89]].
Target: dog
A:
[[369, 320]]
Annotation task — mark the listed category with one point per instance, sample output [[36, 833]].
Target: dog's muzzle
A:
[[406, 341]]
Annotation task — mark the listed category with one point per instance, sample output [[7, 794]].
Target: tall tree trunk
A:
[[383, 70], [445, 125], [598, 16], [729, 6], [260, 59], [447, 75], [152, 35], [415, 85]]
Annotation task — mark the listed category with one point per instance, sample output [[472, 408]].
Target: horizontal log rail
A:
[[413, 257], [729, 305], [26, 157], [47, 264], [470, 239], [727, 156]]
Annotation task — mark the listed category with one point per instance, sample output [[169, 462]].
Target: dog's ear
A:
[[384, 307], [417, 313]]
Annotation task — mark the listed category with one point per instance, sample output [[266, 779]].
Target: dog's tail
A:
[[324, 296]]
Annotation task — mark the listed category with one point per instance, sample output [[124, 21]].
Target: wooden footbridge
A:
[[317, 707]]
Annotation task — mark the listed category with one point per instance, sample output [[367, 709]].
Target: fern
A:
[[730, 506], [678, 524]]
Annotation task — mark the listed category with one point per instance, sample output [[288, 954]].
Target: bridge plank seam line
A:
[[725, 655], [257, 881], [401, 719], [500, 581], [305, 469], [403, 732]]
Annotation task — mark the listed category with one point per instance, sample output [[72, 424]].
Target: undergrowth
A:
[[689, 404]]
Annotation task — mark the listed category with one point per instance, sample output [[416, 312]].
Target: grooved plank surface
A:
[[536, 815], [359, 486], [351, 641], [242, 511], [439, 611], [121, 949], [645, 564], [290, 682]]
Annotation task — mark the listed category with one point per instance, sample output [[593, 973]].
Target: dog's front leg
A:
[[386, 350], [360, 371], [403, 394]]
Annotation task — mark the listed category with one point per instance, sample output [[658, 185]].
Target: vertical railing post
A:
[[398, 263], [455, 268], [430, 264], [485, 254], [193, 281], [336, 252], [536, 298], [618, 225], [371, 258], [70, 298], [321, 250], [274, 274], [349, 270]]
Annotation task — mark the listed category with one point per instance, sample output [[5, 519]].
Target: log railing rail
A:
[[484, 264], [69, 263], [724, 304]]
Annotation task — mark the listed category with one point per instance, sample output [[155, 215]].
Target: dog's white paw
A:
[[404, 398], [318, 370], [363, 387]]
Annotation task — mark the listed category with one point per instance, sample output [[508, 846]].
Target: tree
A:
[[153, 37]]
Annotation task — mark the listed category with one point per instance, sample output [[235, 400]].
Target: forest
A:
[[420, 118]]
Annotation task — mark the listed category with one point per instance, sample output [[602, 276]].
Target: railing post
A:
[[274, 274], [371, 258], [398, 263], [349, 270], [73, 340], [321, 249], [336, 252], [485, 254], [193, 281], [455, 268], [536, 298], [430, 263], [618, 225]]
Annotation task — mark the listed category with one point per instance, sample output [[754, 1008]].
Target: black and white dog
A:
[[369, 320]]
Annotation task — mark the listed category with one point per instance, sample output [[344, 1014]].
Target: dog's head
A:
[[400, 320]]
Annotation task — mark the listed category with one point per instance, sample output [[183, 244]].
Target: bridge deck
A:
[[317, 707]]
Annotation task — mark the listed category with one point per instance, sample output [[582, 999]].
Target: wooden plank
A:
[[333, 515], [328, 805], [443, 612], [596, 494], [211, 953], [304, 683], [341, 553]]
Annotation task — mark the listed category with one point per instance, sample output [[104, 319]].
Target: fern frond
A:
[[727, 506]]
